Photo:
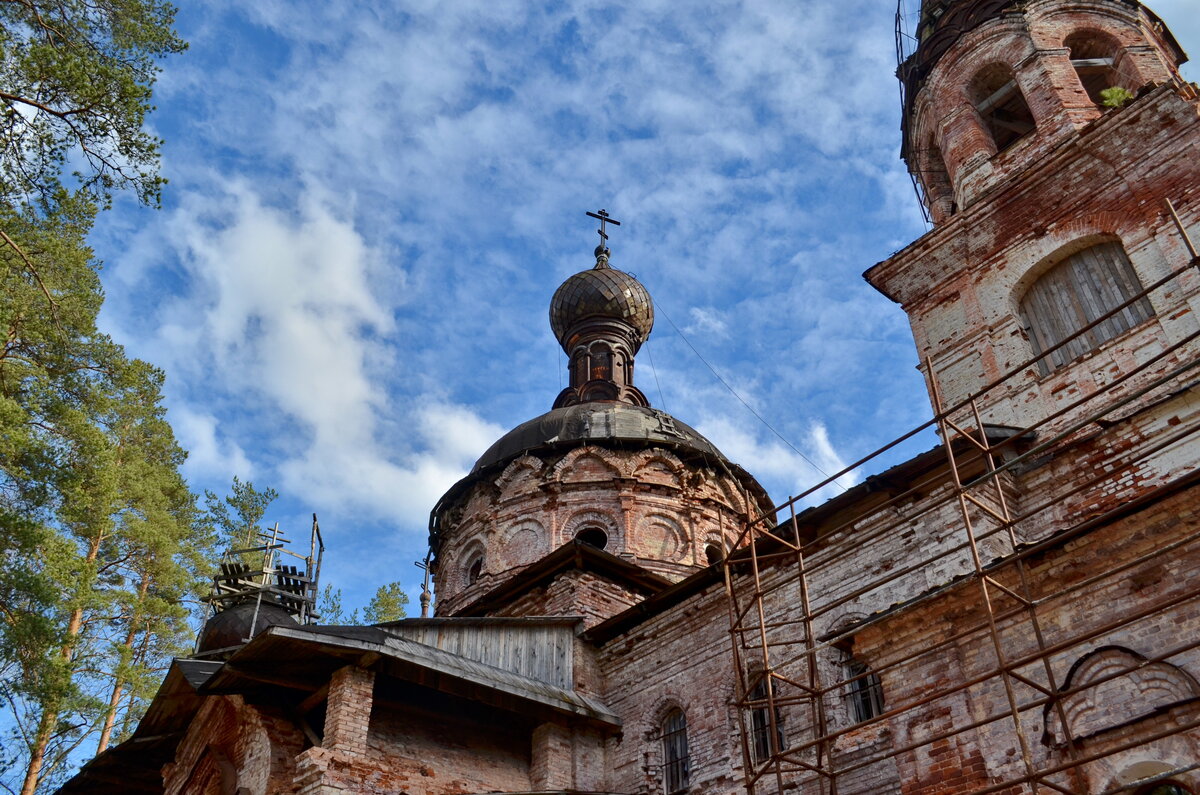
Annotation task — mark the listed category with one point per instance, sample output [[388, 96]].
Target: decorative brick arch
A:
[[481, 500], [1053, 251], [583, 519], [1156, 767], [659, 467], [522, 543], [1112, 686], [472, 549], [522, 476], [662, 537], [668, 699], [609, 464]]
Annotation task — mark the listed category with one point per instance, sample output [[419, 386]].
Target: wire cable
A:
[[662, 400], [732, 391]]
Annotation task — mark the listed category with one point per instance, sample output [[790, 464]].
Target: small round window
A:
[[593, 536]]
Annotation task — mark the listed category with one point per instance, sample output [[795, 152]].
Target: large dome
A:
[[601, 292], [596, 422]]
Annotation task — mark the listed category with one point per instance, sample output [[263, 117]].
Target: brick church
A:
[[621, 609]]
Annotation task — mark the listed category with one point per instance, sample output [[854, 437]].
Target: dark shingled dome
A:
[[572, 426], [231, 626], [601, 292]]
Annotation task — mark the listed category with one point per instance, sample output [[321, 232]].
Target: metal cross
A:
[[604, 219]]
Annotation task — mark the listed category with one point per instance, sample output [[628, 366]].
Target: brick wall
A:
[[232, 746]]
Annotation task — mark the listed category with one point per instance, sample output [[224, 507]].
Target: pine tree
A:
[[98, 543], [387, 604], [237, 518]]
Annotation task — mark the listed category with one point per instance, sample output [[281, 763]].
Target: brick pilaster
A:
[[552, 763], [348, 713]]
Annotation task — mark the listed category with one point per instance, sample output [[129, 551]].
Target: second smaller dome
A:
[[601, 292]]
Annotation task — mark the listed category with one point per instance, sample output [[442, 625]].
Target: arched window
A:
[[939, 193], [1164, 788], [593, 536], [760, 725], [713, 554], [601, 364], [474, 569], [1076, 292], [1093, 54], [1001, 105], [676, 766], [864, 691]]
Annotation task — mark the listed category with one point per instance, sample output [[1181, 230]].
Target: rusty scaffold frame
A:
[[786, 588]]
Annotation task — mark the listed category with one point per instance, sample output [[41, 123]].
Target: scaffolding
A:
[[960, 533]]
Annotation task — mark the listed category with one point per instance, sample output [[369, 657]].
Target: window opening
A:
[[601, 365], [1076, 292], [1002, 107], [1164, 788], [675, 752], [475, 569], [939, 193], [593, 536], [713, 554], [1092, 58], [760, 725], [864, 691]]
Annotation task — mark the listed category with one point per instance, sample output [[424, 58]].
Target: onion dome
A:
[[234, 625], [601, 293]]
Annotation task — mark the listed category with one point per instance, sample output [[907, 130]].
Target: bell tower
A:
[[994, 84], [1045, 138]]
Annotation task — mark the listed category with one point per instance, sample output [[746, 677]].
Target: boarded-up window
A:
[[1076, 292]]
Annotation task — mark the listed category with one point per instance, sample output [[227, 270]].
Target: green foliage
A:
[[1115, 97], [75, 82], [100, 550], [237, 518], [329, 608], [387, 604]]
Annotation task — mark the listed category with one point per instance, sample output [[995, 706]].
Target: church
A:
[[620, 609]]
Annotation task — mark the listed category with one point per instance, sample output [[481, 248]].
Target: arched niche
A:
[[1112, 686], [587, 464], [524, 542], [658, 467], [522, 476]]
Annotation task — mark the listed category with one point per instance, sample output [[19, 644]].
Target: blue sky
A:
[[371, 204]]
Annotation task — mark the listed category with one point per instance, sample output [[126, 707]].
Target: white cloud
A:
[[707, 320], [776, 464], [284, 334], [210, 457]]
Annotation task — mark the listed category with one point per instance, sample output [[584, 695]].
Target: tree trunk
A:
[[110, 718], [45, 731]]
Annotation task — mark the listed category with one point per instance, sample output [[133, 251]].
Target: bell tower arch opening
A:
[[1001, 105], [1094, 56]]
